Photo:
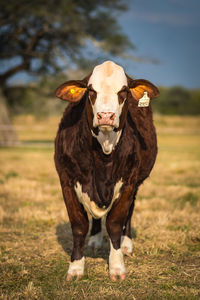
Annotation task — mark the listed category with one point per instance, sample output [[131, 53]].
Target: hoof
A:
[[126, 252], [76, 269], [73, 276], [116, 264], [126, 245], [117, 274]]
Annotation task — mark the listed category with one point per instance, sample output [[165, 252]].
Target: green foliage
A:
[[34, 100], [47, 36], [177, 101]]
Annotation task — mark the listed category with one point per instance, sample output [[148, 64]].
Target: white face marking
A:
[[76, 268], [96, 240], [107, 80], [90, 206], [116, 261], [108, 140]]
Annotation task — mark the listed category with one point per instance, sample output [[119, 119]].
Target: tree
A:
[[46, 36], [177, 100], [8, 136]]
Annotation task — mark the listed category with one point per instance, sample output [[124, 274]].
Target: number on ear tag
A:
[[144, 101]]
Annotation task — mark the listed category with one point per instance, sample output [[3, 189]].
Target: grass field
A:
[[36, 238]]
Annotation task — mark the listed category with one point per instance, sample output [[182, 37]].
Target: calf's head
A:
[[108, 90]]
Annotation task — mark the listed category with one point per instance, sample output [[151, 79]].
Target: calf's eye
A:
[[92, 96], [122, 95]]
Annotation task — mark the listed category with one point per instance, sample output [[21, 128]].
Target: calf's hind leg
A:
[[96, 235], [126, 239], [80, 225]]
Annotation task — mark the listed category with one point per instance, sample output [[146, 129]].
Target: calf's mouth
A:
[[106, 128]]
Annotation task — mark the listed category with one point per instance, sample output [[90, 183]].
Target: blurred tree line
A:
[[39, 100], [177, 100]]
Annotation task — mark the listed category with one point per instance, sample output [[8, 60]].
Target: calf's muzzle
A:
[[106, 118]]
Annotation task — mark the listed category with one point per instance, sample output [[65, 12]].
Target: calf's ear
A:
[[72, 90], [139, 86]]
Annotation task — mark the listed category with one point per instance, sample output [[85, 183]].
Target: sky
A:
[[167, 31], [166, 34]]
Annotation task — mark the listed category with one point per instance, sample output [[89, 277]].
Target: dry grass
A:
[[36, 237]]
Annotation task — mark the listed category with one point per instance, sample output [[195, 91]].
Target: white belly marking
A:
[[90, 206]]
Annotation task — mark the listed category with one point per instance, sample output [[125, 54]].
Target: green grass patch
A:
[[182, 228], [11, 174], [190, 198]]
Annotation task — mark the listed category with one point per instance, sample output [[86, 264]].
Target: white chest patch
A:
[[90, 206], [108, 140]]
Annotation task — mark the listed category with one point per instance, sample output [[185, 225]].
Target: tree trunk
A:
[[8, 136]]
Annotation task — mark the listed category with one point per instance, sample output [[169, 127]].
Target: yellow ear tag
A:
[[72, 91]]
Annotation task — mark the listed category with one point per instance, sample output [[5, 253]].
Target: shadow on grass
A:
[[65, 239]]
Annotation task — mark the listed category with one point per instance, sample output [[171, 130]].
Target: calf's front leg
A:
[[114, 224], [80, 225]]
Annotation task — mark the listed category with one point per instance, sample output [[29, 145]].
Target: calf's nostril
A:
[[99, 116], [112, 116], [105, 117]]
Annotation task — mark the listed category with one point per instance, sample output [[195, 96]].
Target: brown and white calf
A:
[[105, 148]]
